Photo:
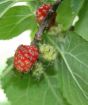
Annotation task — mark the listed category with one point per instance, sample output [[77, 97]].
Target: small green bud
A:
[[48, 52], [38, 71], [55, 31]]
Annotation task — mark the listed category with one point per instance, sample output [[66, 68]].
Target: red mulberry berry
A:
[[42, 11], [25, 56]]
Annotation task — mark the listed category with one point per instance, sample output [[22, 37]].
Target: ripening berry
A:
[[25, 56], [42, 11]]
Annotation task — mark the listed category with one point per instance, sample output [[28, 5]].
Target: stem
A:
[[55, 6], [47, 20]]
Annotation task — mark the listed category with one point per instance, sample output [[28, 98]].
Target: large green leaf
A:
[[15, 21], [82, 25], [67, 11], [73, 69], [23, 90]]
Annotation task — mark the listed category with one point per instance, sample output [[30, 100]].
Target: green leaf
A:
[[15, 21], [82, 24], [73, 69], [4, 103], [67, 11], [5, 5], [24, 90]]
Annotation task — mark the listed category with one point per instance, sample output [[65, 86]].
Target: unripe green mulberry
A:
[[38, 71], [48, 52], [56, 31]]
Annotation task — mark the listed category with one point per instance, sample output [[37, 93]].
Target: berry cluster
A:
[[26, 56]]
